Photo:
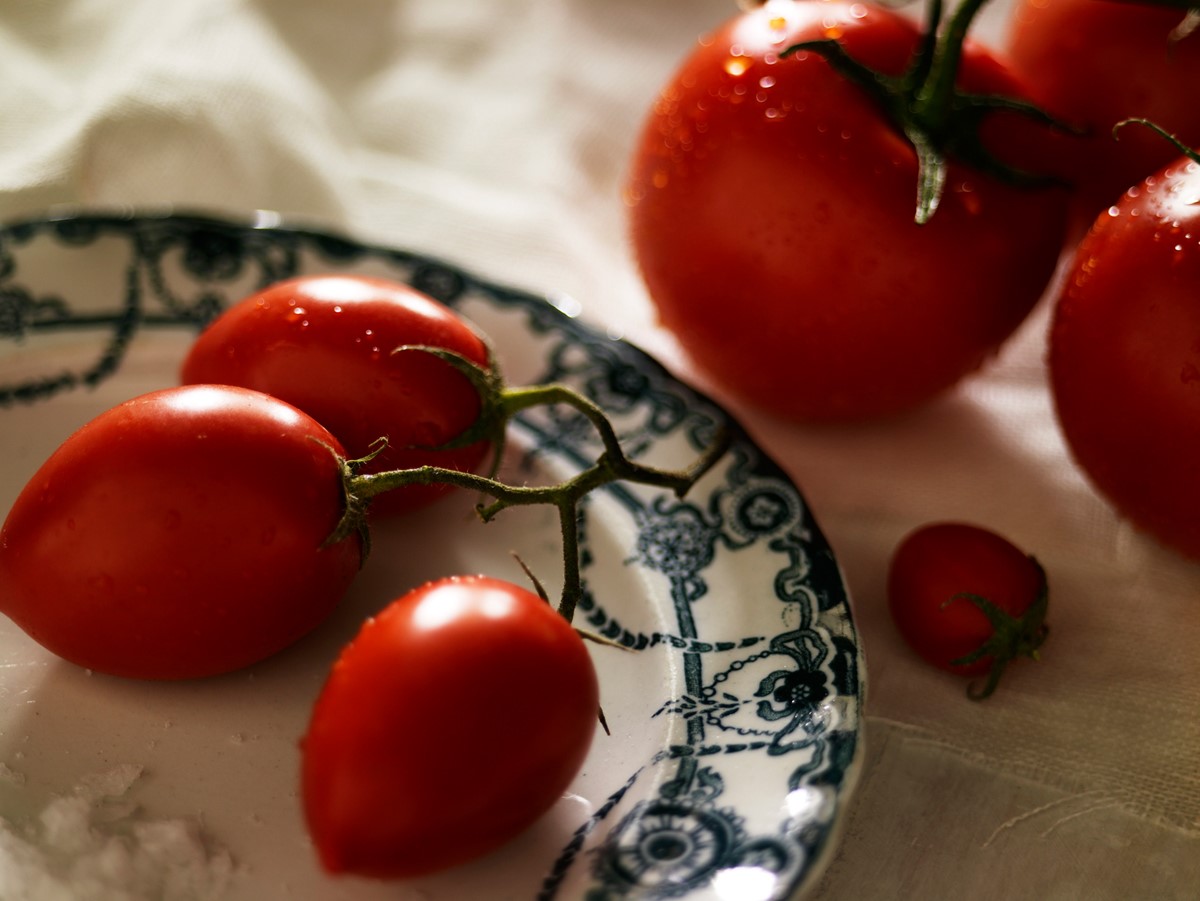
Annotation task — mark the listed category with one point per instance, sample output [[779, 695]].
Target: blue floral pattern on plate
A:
[[761, 723]]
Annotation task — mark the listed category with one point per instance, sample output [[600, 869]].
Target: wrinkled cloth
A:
[[495, 134]]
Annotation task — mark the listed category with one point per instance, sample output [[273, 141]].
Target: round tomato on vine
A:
[[180, 534], [830, 219], [967, 600], [327, 344], [454, 720], [1124, 355], [1097, 62]]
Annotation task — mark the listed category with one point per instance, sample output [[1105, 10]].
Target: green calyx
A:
[[926, 106], [499, 404], [1012, 636]]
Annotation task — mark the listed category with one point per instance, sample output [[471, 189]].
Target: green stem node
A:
[[1012, 636]]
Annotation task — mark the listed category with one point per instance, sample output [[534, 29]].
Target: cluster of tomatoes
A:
[[864, 210], [113, 561], [867, 209]]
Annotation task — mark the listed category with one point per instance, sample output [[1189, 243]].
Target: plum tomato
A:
[[1124, 356], [455, 719], [179, 534], [771, 212], [325, 343], [967, 600], [1097, 62]]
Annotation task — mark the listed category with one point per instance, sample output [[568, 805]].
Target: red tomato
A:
[[179, 535], [1096, 62], [771, 207], [1124, 356], [935, 573], [448, 725], [324, 344]]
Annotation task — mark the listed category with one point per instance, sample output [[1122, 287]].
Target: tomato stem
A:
[[1012, 636], [500, 405], [1186, 27], [1183, 148], [927, 107]]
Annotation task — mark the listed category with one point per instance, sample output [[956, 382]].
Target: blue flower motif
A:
[[679, 544], [667, 848], [791, 693]]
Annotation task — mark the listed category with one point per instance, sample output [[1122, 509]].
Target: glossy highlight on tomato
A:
[[771, 207], [455, 719], [1124, 356], [325, 344], [178, 535]]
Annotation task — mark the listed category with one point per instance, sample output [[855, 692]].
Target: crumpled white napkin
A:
[[495, 134]]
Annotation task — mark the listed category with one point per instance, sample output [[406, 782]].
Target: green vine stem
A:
[[1186, 27], [1190, 152], [501, 404], [926, 106]]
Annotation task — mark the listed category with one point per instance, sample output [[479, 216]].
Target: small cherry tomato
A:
[[967, 600], [325, 343], [453, 721], [1124, 356], [179, 534]]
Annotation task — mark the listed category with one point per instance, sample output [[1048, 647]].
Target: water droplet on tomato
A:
[[766, 81], [737, 65], [661, 178], [1114, 211]]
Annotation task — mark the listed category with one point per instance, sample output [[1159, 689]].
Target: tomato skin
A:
[[771, 213], [1124, 356], [454, 719], [1097, 62], [179, 535], [938, 561], [324, 344]]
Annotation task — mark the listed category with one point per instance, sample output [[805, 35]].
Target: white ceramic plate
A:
[[735, 727]]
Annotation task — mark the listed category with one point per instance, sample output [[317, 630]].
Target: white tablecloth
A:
[[494, 133]]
